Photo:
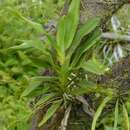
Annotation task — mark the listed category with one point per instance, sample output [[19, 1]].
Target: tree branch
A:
[[115, 36]]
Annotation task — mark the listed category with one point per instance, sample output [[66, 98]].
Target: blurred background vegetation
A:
[[15, 66]]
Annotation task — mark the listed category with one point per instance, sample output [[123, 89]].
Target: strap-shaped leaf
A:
[[116, 115], [83, 30], [126, 123], [85, 87], [67, 26], [35, 82], [50, 112], [84, 47], [94, 66], [108, 127], [61, 34], [37, 44], [41, 61], [38, 27], [21, 46], [44, 99], [99, 111], [72, 21]]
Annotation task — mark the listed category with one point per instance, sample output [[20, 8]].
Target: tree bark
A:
[[100, 8], [103, 9]]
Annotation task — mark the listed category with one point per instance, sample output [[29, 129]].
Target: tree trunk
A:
[[100, 8]]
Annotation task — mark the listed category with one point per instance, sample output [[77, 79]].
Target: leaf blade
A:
[[67, 26], [50, 112], [35, 82], [84, 30], [116, 115], [94, 66], [84, 47], [98, 112], [126, 119]]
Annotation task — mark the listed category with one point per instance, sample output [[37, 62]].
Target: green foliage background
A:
[[16, 68]]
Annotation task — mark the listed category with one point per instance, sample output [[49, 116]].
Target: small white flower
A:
[[118, 52], [116, 25], [106, 50]]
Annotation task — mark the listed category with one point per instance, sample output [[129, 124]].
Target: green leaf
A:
[[44, 99], [35, 82], [61, 34], [38, 27], [67, 26], [72, 21], [128, 106], [99, 111], [84, 47], [126, 123], [50, 112], [21, 46], [84, 30], [36, 44], [116, 115], [41, 90], [94, 66], [85, 87], [41, 61], [32, 86], [108, 128]]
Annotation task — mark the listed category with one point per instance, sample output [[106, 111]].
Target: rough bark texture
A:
[[103, 9], [119, 77], [100, 8], [97, 8]]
